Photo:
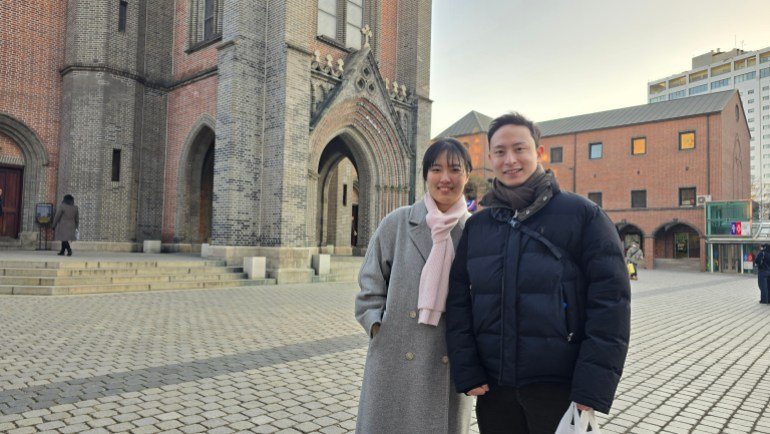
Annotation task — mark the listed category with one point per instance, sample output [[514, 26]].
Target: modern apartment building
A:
[[749, 73]]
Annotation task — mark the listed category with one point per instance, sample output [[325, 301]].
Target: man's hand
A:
[[582, 407], [478, 391]]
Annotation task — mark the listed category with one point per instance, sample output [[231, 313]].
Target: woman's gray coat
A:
[[65, 222], [407, 386]]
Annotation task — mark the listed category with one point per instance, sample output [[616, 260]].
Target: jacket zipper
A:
[[511, 223]]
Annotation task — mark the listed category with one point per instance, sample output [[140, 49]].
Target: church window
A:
[[341, 21], [122, 15], [205, 22]]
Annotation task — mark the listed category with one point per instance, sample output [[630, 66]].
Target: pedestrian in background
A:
[[65, 223], [634, 256], [407, 386], [762, 265], [538, 311]]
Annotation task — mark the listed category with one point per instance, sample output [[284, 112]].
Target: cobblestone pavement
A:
[[289, 359]]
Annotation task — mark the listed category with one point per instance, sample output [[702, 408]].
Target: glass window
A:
[[720, 83], [122, 15], [595, 151], [327, 18], [744, 77], [751, 101], [700, 75], [751, 61], [638, 145], [678, 94], [676, 82], [687, 140], [657, 87], [764, 57], [687, 196], [116, 165], [595, 197], [699, 89], [721, 69], [355, 20], [209, 27], [765, 72], [739, 64], [638, 198], [557, 155], [658, 99]]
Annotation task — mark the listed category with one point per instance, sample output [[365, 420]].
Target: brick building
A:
[[647, 165], [261, 127], [471, 130]]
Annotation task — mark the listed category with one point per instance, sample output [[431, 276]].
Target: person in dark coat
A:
[[762, 265], [65, 223], [538, 311]]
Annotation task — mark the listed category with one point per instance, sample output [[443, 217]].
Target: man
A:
[[538, 307], [762, 265], [634, 255]]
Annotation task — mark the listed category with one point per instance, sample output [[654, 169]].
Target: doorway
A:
[[11, 184]]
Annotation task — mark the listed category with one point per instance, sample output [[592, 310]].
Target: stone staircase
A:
[[67, 276], [688, 264], [343, 269]]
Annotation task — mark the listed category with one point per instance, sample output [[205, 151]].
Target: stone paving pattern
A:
[[289, 359]]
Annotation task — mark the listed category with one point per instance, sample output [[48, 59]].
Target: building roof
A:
[[640, 114], [472, 123]]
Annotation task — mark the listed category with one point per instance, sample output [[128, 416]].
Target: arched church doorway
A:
[[196, 187], [337, 213]]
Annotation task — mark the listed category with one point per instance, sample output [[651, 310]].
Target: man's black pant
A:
[[533, 409]]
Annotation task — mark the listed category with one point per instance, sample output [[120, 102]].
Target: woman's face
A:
[[446, 181]]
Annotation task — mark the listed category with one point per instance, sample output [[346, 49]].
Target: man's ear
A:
[[540, 152]]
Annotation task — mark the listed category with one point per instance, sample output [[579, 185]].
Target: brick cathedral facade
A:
[[256, 126]]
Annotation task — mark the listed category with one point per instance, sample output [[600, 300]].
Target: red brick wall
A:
[[661, 171], [478, 148], [31, 55], [8, 147]]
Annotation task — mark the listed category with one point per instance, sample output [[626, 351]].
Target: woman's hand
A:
[[478, 391], [582, 407], [375, 329]]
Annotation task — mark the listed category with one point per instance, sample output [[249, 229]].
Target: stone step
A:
[[107, 280], [159, 286], [72, 264], [115, 272]]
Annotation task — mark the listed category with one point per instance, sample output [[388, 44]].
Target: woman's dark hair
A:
[[455, 151], [513, 118], [68, 199]]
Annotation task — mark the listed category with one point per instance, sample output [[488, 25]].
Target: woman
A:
[[65, 223], [404, 281]]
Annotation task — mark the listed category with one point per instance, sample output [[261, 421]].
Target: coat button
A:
[[445, 360], [412, 314], [409, 356]]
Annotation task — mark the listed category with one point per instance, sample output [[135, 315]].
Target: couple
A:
[[524, 305]]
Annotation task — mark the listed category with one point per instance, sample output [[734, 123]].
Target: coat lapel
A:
[[419, 232]]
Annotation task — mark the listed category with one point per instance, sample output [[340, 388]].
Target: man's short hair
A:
[[513, 118]]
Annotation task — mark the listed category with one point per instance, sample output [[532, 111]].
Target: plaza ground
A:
[[289, 358]]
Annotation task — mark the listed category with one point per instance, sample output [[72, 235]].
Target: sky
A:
[[550, 59]]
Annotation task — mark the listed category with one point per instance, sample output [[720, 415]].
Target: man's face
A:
[[513, 154]]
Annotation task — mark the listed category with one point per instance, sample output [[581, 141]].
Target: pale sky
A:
[[555, 58]]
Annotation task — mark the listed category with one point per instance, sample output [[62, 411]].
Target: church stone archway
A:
[[31, 167], [195, 191]]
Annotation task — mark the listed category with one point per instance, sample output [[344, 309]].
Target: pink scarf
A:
[[434, 280]]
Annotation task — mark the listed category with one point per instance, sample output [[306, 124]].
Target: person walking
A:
[[538, 311], [65, 223], [407, 387], [634, 256], [762, 265]]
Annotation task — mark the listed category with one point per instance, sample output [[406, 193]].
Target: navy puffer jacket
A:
[[540, 298]]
